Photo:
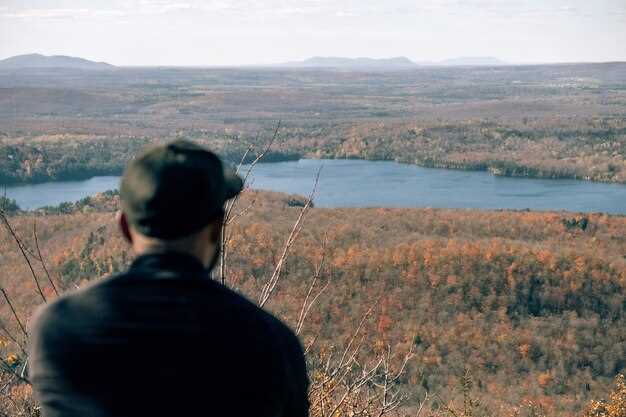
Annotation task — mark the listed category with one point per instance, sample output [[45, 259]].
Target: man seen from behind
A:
[[163, 338]]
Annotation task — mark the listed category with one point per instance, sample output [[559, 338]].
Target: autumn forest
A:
[[402, 312]]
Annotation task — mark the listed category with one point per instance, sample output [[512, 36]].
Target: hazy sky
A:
[[228, 32]]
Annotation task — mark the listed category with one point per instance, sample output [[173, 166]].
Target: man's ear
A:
[[122, 223], [216, 228]]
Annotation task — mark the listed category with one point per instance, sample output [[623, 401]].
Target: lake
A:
[[357, 183]]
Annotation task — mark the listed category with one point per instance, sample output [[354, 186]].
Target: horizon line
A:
[[294, 63]]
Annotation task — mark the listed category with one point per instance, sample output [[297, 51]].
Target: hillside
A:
[[54, 61], [546, 121], [581, 149], [532, 306]]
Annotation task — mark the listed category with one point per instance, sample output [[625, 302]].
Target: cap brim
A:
[[233, 182]]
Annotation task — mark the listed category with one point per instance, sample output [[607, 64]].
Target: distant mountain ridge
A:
[[395, 62], [473, 61], [321, 61], [399, 62], [54, 61]]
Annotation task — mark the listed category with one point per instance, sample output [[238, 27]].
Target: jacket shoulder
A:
[[53, 319]]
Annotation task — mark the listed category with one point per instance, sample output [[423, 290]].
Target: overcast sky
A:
[[229, 32]]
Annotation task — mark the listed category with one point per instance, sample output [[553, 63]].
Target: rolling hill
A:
[[53, 61]]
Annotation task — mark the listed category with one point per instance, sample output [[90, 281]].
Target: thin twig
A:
[[41, 259], [270, 286], [17, 318], [306, 306], [11, 337], [422, 403], [356, 332], [231, 204], [9, 368], [8, 226]]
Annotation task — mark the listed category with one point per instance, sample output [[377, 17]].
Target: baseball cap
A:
[[172, 190]]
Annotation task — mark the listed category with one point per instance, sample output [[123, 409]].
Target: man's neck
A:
[[167, 249]]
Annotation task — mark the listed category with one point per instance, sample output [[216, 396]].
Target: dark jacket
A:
[[163, 339]]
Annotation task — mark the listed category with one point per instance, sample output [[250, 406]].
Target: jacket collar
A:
[[169, 261]]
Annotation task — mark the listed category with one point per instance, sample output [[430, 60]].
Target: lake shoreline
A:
[[385, 184], [108, 201], [497, 168], [508, 169]]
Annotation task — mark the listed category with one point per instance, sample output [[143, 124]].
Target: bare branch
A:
[[11, 337], [11, 231], [41, 259], [356, 332], [8, 368], [15, 315], [422, 403], [270, 286], [231, 204], [265, 151], [306, 305], [242, 212]]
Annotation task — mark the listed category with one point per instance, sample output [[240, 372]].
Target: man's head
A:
[[172, 199]]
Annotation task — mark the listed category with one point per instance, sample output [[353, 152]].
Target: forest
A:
[[546, 121], [403, 312], [585, 149], [525, 309]]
